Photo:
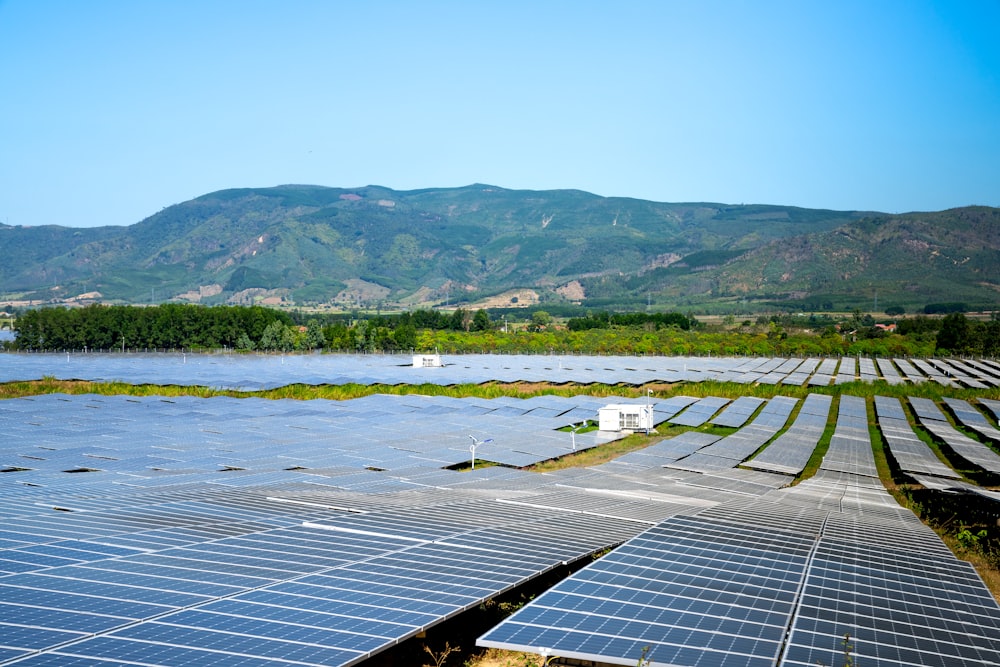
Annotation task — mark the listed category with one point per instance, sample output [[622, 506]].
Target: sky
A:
[[112, 110]]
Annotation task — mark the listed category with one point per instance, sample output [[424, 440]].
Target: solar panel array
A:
[[908, 370], [166, 558], [825, 373], [265, 371], [932, 372], [731, 450], [790, 452], [850, 449], [888, 371], [965, 375], [956, 486], [695, 591], [987, 370], [992, 406], [776, 580], [249, 531], [847, 371], [900, 604], [700, 412], [738, 412], [191, 435], [973, 419], [668, 450], [935, 421], [780, 371], [225, 531], [665, 409], [911, 453], [866, 368], [802, 373], [318, 592]]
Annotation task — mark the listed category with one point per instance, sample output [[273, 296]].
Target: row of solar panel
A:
[[915, 457], [841, 570], [195, 533], [254, 372], [690, 456]]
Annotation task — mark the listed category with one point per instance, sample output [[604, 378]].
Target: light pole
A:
[[649, 411], [573, 431], [472, 447]]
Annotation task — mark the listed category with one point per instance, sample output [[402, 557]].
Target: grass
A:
[[732, 390], [495, 657], [586, 458]]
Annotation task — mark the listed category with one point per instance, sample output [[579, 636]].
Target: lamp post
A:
[[472, 447], [573, 431], [649, 411]]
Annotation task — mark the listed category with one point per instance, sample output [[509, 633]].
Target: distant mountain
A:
[[482, 244]]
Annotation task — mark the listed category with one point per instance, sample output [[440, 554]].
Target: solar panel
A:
[[700, 412], [801, 576], [973, 419], [731, 450], [973, 451], [164, 556], [790, 452], [888, 371], [910, 452], [847, 371], [738, 412], [850, 449], [258, 372], [693, 590]]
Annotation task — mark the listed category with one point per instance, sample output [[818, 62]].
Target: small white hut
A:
[[427, 361], [625, 417]]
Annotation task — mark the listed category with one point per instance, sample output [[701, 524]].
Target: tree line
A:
[[959, 335], [193, 327], [607, 320], [249, 328], [164, 327]]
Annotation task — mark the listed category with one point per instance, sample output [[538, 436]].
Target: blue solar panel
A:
[[327, 563], [256, 372], [83, 603], [691, 590], [32, 638]]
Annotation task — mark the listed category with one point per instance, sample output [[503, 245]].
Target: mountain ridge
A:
[[311, 245]]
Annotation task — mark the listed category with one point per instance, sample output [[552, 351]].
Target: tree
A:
[[481, 321], [405, 337], [458, 320], [277, 336], [991, 338], [955, 335], [539, 320], [314, 339], [243, 342], [339, 336]]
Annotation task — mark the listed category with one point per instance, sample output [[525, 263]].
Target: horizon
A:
[[116, 110]]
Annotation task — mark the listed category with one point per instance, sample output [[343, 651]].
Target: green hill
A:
[[312, 245]]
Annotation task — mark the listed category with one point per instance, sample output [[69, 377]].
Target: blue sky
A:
[[110, 111]]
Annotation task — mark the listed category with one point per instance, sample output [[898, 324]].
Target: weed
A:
[[439, 657]]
